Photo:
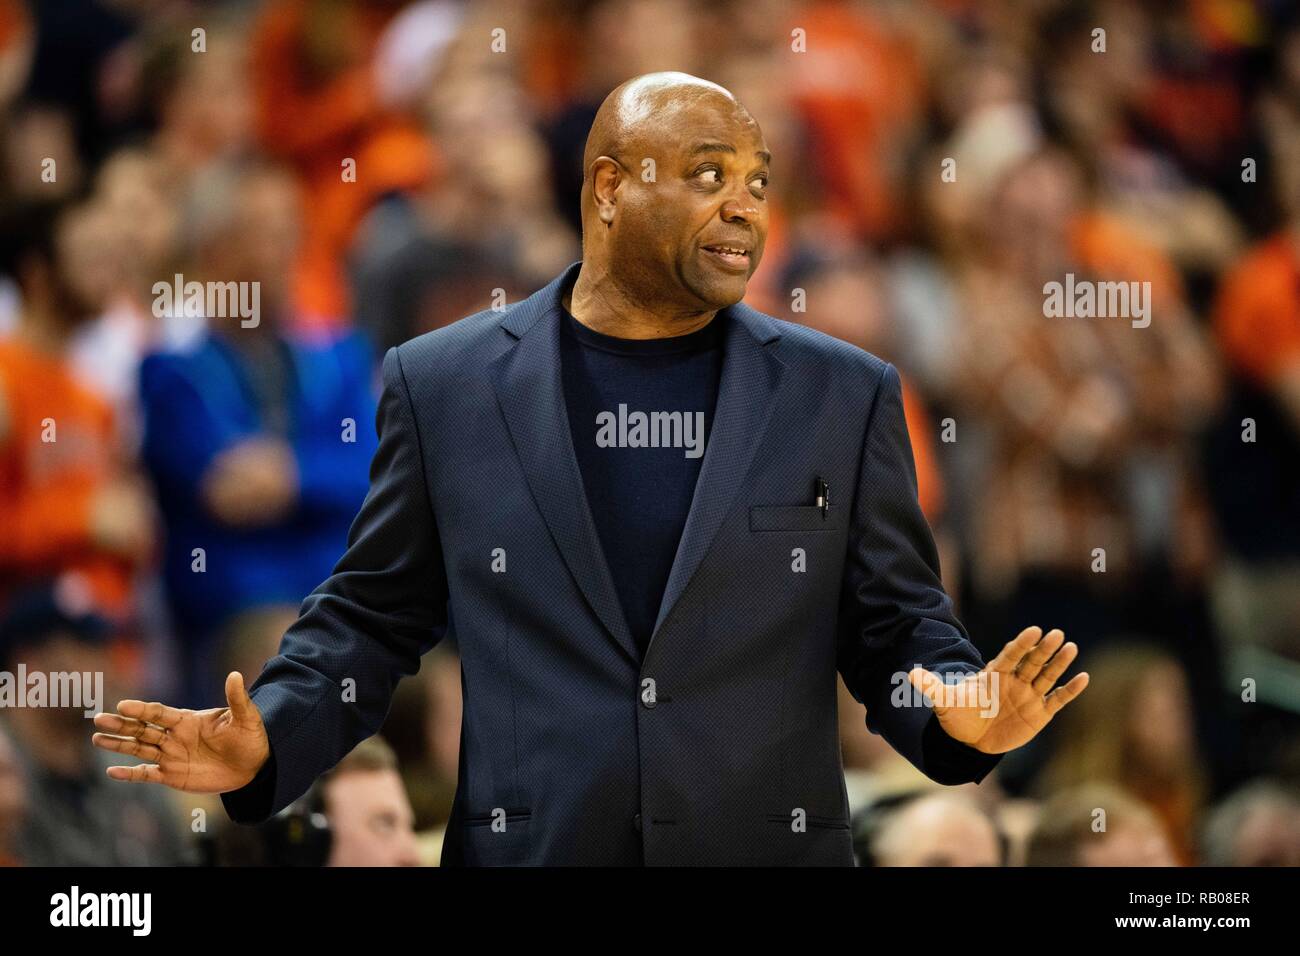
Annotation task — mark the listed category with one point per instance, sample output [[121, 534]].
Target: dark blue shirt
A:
[[640, 411]]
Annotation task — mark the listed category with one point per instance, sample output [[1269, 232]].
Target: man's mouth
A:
[[735, 258]]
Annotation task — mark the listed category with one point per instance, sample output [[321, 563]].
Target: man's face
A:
[[88, 260], [371, 820], [936, 832], [669, 236], [264, 244], [66, 653], [1128, 844]]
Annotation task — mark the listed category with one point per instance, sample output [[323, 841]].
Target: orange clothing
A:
[[1178, 807], [856, 88], [929, 482], [47, 486], [551, 75], [14, 24], [1257, 316], [1109, 247], [1228, 25], [1205, 108], [315, 116]]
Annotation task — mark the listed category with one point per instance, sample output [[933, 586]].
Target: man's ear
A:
[[606, 178]]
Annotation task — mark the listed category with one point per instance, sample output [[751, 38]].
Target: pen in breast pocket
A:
[[823, 496]]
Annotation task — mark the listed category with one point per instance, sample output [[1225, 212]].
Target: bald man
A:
[[661, 522]]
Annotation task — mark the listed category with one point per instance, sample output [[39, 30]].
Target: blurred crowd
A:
[[173, 480]]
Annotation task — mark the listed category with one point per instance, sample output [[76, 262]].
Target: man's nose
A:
[[742, 207]]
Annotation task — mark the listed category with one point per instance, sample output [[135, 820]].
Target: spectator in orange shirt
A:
[[317, 105], [859, 89], [1257, 323], [70, 504], [1257, 320]]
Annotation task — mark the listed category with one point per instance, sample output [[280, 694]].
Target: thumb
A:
[[928, 683], [241, 705]]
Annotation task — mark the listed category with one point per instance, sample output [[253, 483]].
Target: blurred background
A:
[[380, 167]]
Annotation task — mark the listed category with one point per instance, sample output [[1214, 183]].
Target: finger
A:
[[1033, 661], [126, 745], [1063, 695], [130, 727], [153, 712], [241, 705], [140, 773], [1047, 677], [1016, 649], [932, 686]]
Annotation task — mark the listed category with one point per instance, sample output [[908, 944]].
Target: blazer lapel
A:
[[747, 392], [530, 392]]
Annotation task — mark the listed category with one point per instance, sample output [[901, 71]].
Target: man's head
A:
[[369, 814], [675, 173], [55, 628], [1098, 825], [1258, 825], [935, 829], [60, 254], [243, 225]]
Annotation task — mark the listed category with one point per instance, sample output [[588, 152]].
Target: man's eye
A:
[[711, 171], [762, 182]]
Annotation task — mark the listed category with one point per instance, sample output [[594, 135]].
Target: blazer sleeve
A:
[[894, 613], [362, 630]]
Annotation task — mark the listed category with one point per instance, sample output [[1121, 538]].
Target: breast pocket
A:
[[795, 518]]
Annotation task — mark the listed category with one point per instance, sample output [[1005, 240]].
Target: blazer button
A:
[[636, 822]]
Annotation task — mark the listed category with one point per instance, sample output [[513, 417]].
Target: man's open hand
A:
[[199, 751], [1005, 705]]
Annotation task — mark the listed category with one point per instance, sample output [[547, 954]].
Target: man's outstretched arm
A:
[[901, 648], [331, 684]]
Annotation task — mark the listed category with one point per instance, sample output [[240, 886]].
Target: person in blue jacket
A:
[[258, 439]]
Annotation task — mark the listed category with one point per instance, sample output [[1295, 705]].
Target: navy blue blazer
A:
[[721, 746]]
